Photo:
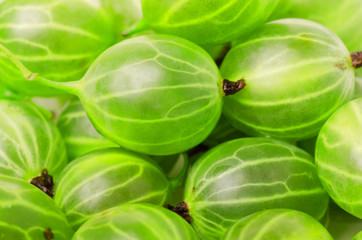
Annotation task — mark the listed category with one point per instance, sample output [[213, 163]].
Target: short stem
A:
[[181, 209], [44, 182], [356, 59], [69, 87], [230, 88], [136, 28]]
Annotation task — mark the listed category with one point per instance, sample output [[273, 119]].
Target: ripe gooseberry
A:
[[136, 221], [297, 74], [78, 133], [57, 39], [30, 145], [107, 178], [154, 94], [27, 213], [267, 224], [338, 157], [247, 175], [211, 22]]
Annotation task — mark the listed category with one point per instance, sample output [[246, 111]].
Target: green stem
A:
[[177, 181], [138, 27], [68, 87]]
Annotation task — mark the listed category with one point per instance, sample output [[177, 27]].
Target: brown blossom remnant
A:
[[356, 59], [44, 182], [48, 235], [181, 209], [230, 88]]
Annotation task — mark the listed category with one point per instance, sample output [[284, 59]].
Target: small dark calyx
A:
[[48, 235], [356, 59], [230, 88], [181, 209], [44, 182]]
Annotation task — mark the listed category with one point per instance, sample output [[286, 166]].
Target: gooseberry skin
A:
[[338, 157], [136, 222], [155, 94], [208, 23], [297, 74], [29, 142], [78, 133], [26, 212], [266, 225], [57, 39], [247, 175], [107, 178], [358, 236]]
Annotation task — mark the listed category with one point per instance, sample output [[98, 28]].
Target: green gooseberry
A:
[[106, 178], [78, 133], [297, 74], [27, 213], [339, 157], [358, 236], [223, 132], [278, 224], [330, 15], [247, 175], [154, 94], [308, 145], [125, 13], [217, 52], [57, 39], [30, 145], [358, 91], [136, 222], [281, 9], [214, 22]]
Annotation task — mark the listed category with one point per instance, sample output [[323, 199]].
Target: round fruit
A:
[[29, 143], [27, 213], [278, 224], [107, 178], [57, 39], [155, 94], [213, 22], [247, 175], [339, 157], [297, 74], [78, 132], [136, 222]]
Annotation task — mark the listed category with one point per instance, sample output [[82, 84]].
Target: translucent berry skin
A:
[[278, 224], [107, 178], [57, 39], [155, 94], [208, 23], [136, 222], [247, 175], [26, 212], [79, 135], [297, 74], [29, 142], [339, 157]]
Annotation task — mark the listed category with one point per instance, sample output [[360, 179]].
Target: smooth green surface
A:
[[278, 224], [136, 222], [78, 132], [342, 17], [57, 39], [125, 13], [339, 157], [358, 90], [156, 94], [297, 74], [29, 142], [358, 236], [247, 175], [210, 22], [26, 212], [107, 178]]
